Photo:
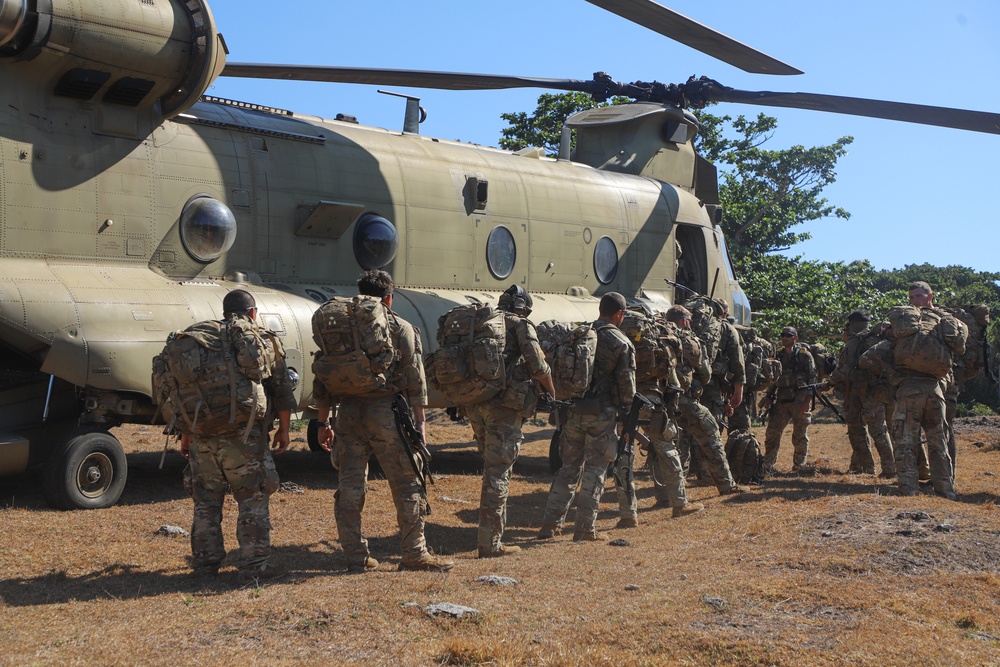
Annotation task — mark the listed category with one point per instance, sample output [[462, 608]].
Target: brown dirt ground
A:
[[830, 569]]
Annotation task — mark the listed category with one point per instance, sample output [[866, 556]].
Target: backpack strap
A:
[[227, 354]]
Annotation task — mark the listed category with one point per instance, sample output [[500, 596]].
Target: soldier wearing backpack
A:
[[788, 402], [389, 363], [497, 421], [864, 414], [589, 442], [223, 395], [926, 341], [694, 417]]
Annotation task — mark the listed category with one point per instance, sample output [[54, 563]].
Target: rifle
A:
[[622, 467], [413, 442], [687, 289], [546, 403], [815, 389], [772, 398]]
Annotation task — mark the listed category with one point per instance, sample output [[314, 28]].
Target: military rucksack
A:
[[653, 360], [570, 350], [691, 363], [926, 340], [825, 362], [744, 457], [356, 352], [207, 380], [975, 318], [468, 366], [706, 325], [754, 356]]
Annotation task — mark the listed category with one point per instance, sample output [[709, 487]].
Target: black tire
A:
[[312, 436], [555, 460], [87, 470]]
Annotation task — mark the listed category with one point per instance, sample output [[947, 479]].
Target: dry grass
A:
[[825, 570]]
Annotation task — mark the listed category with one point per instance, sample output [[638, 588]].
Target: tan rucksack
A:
[[356, 355], [207, 380], [653, 359], [926, 340], [468, 366], [706, 325], [975, 318], [570, 349]]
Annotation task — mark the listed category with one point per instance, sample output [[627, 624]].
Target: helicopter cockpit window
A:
[[605, 260], [208, 228], [375, 242], [501, 252]]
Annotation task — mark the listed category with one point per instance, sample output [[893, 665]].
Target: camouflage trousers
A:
[[694, 461], [702, 427], [247, 468], [920, 404], [366, 425], [742, 417], [587, 445], [668, 474], [797, 412], [498, 435], [867, 417]]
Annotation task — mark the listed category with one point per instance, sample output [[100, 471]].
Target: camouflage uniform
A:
[[701, 426], [920, 403], [247, 467], [754, 354], [367, 424], [790, 405], [668, 473], [864, 414], [588, 442], [497, 427]]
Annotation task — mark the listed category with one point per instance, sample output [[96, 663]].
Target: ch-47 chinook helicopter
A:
[[130, 204]]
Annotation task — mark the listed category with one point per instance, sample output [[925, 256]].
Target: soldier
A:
[[366, 424], [588, 442], [756, 352], [864, 414], [242, 462], [665, 461], [788, 402], [497, 427], [920, 403], [694, 417]]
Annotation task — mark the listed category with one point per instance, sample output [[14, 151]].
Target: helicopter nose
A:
[[12, 13]]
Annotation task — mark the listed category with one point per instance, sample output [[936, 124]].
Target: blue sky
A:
[[916, 193]]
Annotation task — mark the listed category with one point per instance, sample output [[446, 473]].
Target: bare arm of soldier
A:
[[185, 445], [281, 439]]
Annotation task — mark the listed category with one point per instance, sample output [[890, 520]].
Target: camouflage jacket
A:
[[614, 366]]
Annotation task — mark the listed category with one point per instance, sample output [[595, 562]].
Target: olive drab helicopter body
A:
[[130, 204]]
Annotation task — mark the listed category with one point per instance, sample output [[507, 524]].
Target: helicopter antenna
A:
[[414, 114]]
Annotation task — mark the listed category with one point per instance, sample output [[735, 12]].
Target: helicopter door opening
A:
[[691, 260]]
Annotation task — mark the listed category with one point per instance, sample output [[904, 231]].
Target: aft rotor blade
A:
[[399, 77], [959, 119], [700, 37]]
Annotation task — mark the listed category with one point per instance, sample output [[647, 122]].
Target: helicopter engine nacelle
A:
[[143, 54]]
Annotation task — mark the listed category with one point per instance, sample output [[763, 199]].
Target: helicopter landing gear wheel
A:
[[87, 470]]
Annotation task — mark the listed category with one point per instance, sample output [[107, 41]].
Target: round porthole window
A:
[[605, 260], [208, 228], [375, 242], [501, 253]]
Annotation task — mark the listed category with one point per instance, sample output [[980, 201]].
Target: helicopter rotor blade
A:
[[959, 119], [689, 32], [399, 77]]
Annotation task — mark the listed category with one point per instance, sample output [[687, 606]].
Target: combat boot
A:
[[207, 571], [504, 550], [590, 536], [428, 562], [734, 490], [262, 572], [627, 522], [687, 508], [548, 531], [368, 565]]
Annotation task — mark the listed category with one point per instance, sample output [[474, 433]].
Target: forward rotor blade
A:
[[399, 77], [959, 119], [700, 37]]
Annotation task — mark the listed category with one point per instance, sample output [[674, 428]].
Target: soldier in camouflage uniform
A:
[[694, 417], [497, 422], [864, 415], [245, 465], [366, 424], [789, 403], [589, 443]]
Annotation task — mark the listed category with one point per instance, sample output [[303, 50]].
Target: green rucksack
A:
[[706, 325], [207, 380], [570, 349], [468, 366], [654, 359], [926, 340], [356, 354], [744, 458]]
